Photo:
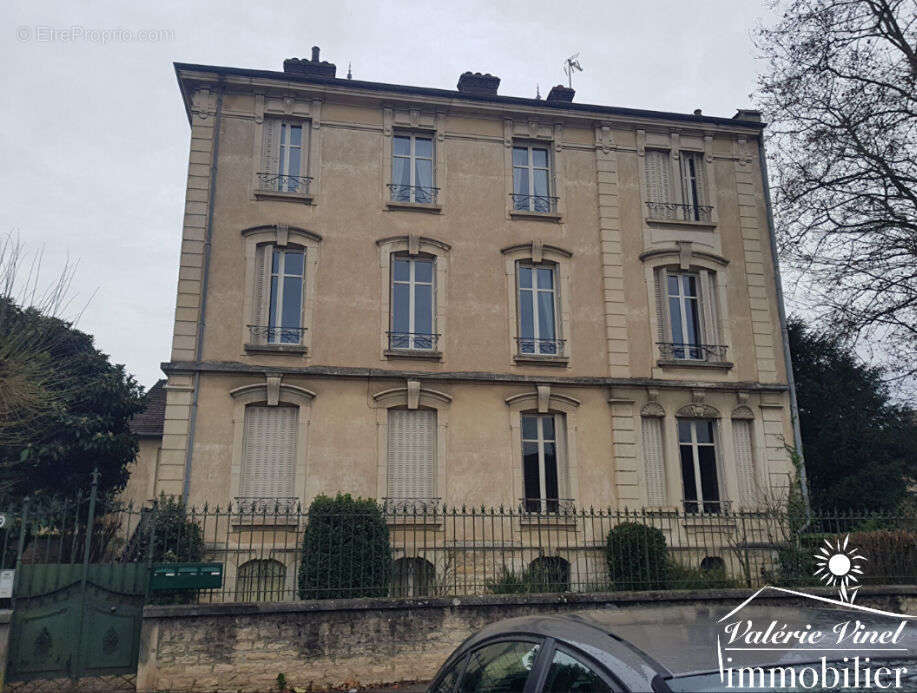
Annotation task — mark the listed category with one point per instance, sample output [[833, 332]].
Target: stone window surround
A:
[[674, 146], [544, 399], [279, 235], [723, 438], [272, 392], [532, 132], [287, 107], [539, 253], [685, 259], [413, 395], [416, 122], [413, 245]]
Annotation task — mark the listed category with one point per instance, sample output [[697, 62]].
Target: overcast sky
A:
[[95, 139]]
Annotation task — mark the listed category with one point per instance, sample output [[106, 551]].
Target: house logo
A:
[[832, 644]]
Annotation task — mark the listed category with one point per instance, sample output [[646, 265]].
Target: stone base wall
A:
[[243, 647]]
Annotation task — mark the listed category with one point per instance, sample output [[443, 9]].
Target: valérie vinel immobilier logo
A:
[[832, 644]]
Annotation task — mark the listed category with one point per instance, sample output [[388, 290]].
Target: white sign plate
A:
[[6, 583]]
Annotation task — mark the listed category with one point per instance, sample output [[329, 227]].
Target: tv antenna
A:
[[571, 64]]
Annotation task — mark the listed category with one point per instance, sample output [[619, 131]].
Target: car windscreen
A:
[[836, 675]]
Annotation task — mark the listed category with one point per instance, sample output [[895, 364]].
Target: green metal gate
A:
[[76, 611]]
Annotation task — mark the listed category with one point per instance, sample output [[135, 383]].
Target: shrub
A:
[[544, 574], [636, 556], [508, 583], [345, 550], [679, 577], [891, 556]]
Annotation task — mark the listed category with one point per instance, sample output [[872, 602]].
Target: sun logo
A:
[[838, 565]]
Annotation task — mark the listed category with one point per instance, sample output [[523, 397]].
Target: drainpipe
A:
[[785, 337], [205, 274]]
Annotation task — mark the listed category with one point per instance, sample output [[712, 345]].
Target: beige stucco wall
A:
[[613, 369]]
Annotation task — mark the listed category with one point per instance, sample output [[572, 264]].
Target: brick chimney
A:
[[478, 84], [561, 93], [311, 68]]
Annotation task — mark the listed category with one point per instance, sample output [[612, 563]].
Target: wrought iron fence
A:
[[538, 204], [413, 341], [682, 351], [415, 194], [670, 211], [278, 182], [432, 550], [528, 346], [275, 334]]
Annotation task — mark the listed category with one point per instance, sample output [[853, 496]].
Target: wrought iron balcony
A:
[[279, 183], [552, 506], [412, 341], [265, 505], [679, 351], [271, 334], [539, 204], [670, 211], [412, 506], [696, 507], [414, 194], [527, 346]]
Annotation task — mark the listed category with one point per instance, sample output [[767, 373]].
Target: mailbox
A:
[[186, 576]]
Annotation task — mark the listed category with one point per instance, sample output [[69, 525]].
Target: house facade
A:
[[435, 297]]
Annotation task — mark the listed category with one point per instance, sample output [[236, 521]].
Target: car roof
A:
[[676, 640]]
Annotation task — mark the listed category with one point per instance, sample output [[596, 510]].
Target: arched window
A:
[[412, 577], [261, 580], [549, 574], [712, 564]]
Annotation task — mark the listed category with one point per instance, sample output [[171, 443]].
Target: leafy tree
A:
[[860, 447], [345, 550], [841, 98], [77, 415]]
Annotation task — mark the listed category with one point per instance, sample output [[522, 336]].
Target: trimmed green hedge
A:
[[636, 556], [345, 550]]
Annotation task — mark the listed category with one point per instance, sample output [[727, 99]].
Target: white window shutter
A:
[[658, 176], [711, 329], [745, 467], [270, 146], [260, 294], [269, 462], [564, 489], [654, 459], [411, 453], [662, 312]]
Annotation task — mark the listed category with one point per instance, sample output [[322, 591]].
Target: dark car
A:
[[671, 649]]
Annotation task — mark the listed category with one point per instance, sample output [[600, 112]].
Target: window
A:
[[532, 180], [502, 666], [697, 447], [569, 674], [280, 308], [412, 169], [537, 299], [412, 304], [687, 316], [541, 445], [692, 186], [260, 581], [269, 458], [284, 157], [412, 577], [654, 457], [411, 458]]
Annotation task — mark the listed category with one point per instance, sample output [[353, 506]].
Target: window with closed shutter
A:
[[654, 460], [745, 465], [659, 176], [411, 455], [269, 458]]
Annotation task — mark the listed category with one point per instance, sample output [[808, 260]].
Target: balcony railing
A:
[[547, 505], [416, 194], [707, 507], [539, 204], [413, 506], [412, 341], [279, 183], [679, 351], [265, 505], [669, 211], [271, 334], [528, 346]]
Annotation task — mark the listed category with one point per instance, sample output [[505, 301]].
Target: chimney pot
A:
[[315, 51], [698, 112], [747, 114], [560, 93], [476, 83], [310, 68]]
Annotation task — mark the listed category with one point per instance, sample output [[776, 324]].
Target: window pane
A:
[[690, 284], [521, 187], [692, 326], [545, 278], [547, 427], [401, 178], [672, 281], [423, 175], [708, 481], [401, 146], [401, 270], [502, 667], [546, 315], [423, 271], [530, 427], [423, 147], [447, 682], [684, 431], [423, 308], [275, 261], [541, 182], [550, 470], [704, 431], [293, 263], [678, 335], [526, 318], [272, 313], [687, 475], [293, 169], [292, 301], [296, 135], [568, 674], [525, 277], [530, 474], [400, 308], [540, 158], [520, 156]]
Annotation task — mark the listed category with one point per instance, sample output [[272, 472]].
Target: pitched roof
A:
[[149, 422]]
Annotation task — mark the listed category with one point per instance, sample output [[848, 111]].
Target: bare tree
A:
[[840, 96]]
